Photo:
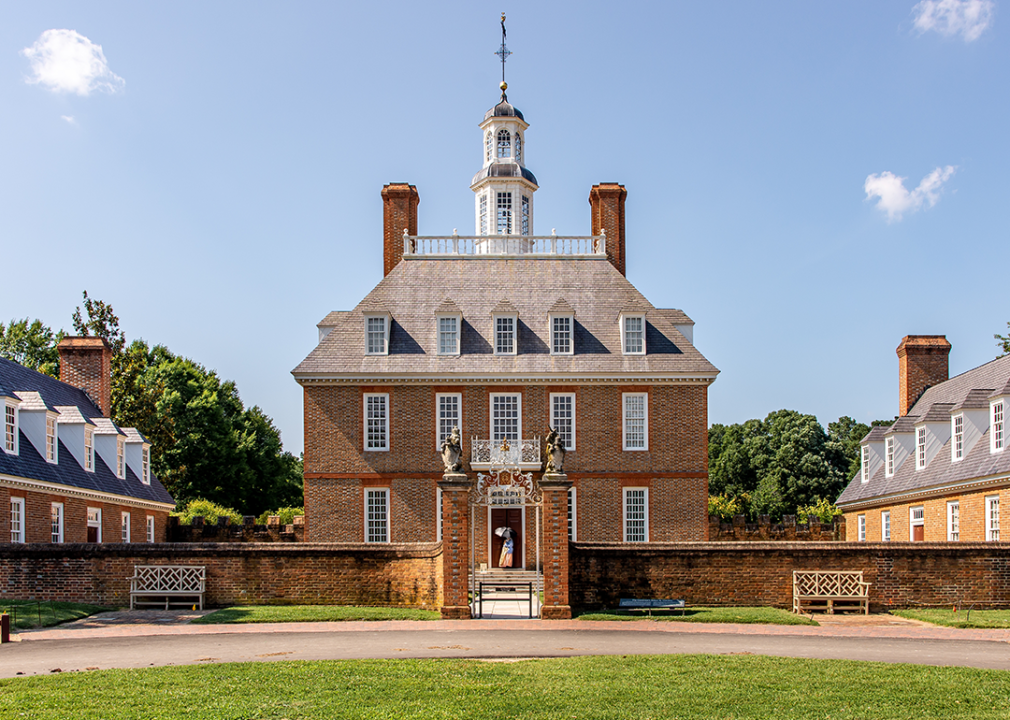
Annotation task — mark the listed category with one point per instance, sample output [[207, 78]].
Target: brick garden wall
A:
[[739, 530], [237, 573], [742, 574]]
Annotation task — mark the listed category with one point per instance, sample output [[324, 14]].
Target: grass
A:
[[312, 613], [747, 615], [960, 619], [680, 686], [26, 614]]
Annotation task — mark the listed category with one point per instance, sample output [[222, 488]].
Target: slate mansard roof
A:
[[72, 403], [591, 288], [969, 390]]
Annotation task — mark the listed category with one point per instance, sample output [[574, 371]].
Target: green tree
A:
[[843, 443], [32, 344], [1003, 342]]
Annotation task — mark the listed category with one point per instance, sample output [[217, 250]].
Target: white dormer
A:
[[448, 328], [38, 422], [561, 328], [871, 453], [997, 423], [76, 434], [376, 327], [932, 431], [505, 329], [632, 333], [9, 404], [899, 444], [110, 445], [969, 420], [138, 454]]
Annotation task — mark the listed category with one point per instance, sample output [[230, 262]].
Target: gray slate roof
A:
[[941, 470], [417, 288]]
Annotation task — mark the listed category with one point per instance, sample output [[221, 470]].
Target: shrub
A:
[[823, 510], [287, 515], [209, 510], [726, 507]]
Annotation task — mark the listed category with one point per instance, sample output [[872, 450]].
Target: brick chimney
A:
[[399, 211], [86, 362], [607, 202], [922, 363]]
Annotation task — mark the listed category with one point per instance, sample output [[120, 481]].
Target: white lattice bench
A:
[[830, 589], [172, 584]]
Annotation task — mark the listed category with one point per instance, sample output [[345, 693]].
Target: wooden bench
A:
[[829, 590], [650, 605], [181, 585]]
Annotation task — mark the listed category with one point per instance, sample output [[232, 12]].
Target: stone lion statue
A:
[[452, 449], [555, 451]]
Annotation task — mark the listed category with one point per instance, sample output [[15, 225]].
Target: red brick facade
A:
[[86, 362], [971, 517]]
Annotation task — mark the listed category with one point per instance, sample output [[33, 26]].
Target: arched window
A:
[[504, 144], [488, 146], [519, 148]]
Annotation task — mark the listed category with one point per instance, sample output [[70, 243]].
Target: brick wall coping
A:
[[195, 551], [840, 548]]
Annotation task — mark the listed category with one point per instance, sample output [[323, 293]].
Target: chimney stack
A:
[[86, 362], [399, 211], [607, 203], [922, 363]]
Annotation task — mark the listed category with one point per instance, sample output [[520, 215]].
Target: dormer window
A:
[[10, 429], [448, 334], [957, 442], [633, 334], [889, 457], [561, 335], [519, 148], [145, 465], [120, 459], [504, 144], [866, 464], [998, 439], [920, 448], [89, 450], [505, 335], [376, 335], [51, 438]]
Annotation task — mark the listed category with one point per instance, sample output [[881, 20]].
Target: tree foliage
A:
[[32, 344], [1003, 342]]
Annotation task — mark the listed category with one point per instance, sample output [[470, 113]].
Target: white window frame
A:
[[626, 349], [124, 526], [504, 217], [120, 457], [97, 523], [145, 465], [10, 439], [56, 522], [519, 415], [524, 213], [920, 448], [379, 531], [865, 464], [569, 441], [377, 339], [89, 449], [624, 514], [957, 438], [504, 143], [885, 526], [992, 518], [573, 514], [150, 528], [625, 397], [52, 439], [442, 429], [505, 341], [452, 348], [18, 520], [384, 420], [914, 522], [482, 204], [997, 415], [861, 525], [889, 456], [556, 334], [953, 520]]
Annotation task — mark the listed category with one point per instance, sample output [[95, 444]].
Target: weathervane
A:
[[503, 53]]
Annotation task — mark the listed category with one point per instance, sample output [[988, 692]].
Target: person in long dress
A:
[[505, 560]]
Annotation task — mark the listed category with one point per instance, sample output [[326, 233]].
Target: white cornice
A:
[[70, 491], [927, 493], [510, 379]]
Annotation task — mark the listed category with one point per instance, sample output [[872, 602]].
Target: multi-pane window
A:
[[992, 518], [120, 450], [56, 522], [954, 521], [504, 144], [483, 214], [125, 525], [448, 335], [505, 335], [561, 335], [636, 421], [17, 520], [376, 421], [997, 426], [375, 336], [50, 439], [488, 146], [519, 147], [958, 444], [866, 464], [504, 206], [636, 514], [861, 523], [885, 526], [889, 456], [916, 519], [572, 515], [150, 528], [505, 417], [376, 515], [525, 221], [94, 525], [448, 416], [145, 465], [920, 448], [634, 335], [563, 417], [10, 429], [89, 450]]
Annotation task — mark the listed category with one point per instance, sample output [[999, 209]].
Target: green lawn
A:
[[960, 619], [313, 613], [639, 687], [27, 614], [749, 615]]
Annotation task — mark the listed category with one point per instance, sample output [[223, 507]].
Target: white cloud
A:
[[66, 61], [967, 18], [69, 119], [896, 200]]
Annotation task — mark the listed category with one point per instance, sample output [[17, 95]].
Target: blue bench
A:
[[650, 605]]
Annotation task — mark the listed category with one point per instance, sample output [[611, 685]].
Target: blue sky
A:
[[808, 181]]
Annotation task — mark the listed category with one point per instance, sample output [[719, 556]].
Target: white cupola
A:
[[503, 202]]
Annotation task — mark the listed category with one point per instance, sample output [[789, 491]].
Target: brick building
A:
[[503, 334], [941, 470], [67, 472]]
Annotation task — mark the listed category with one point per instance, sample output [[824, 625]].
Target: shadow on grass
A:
[[312, 613], [742, 615], [28, 614]]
